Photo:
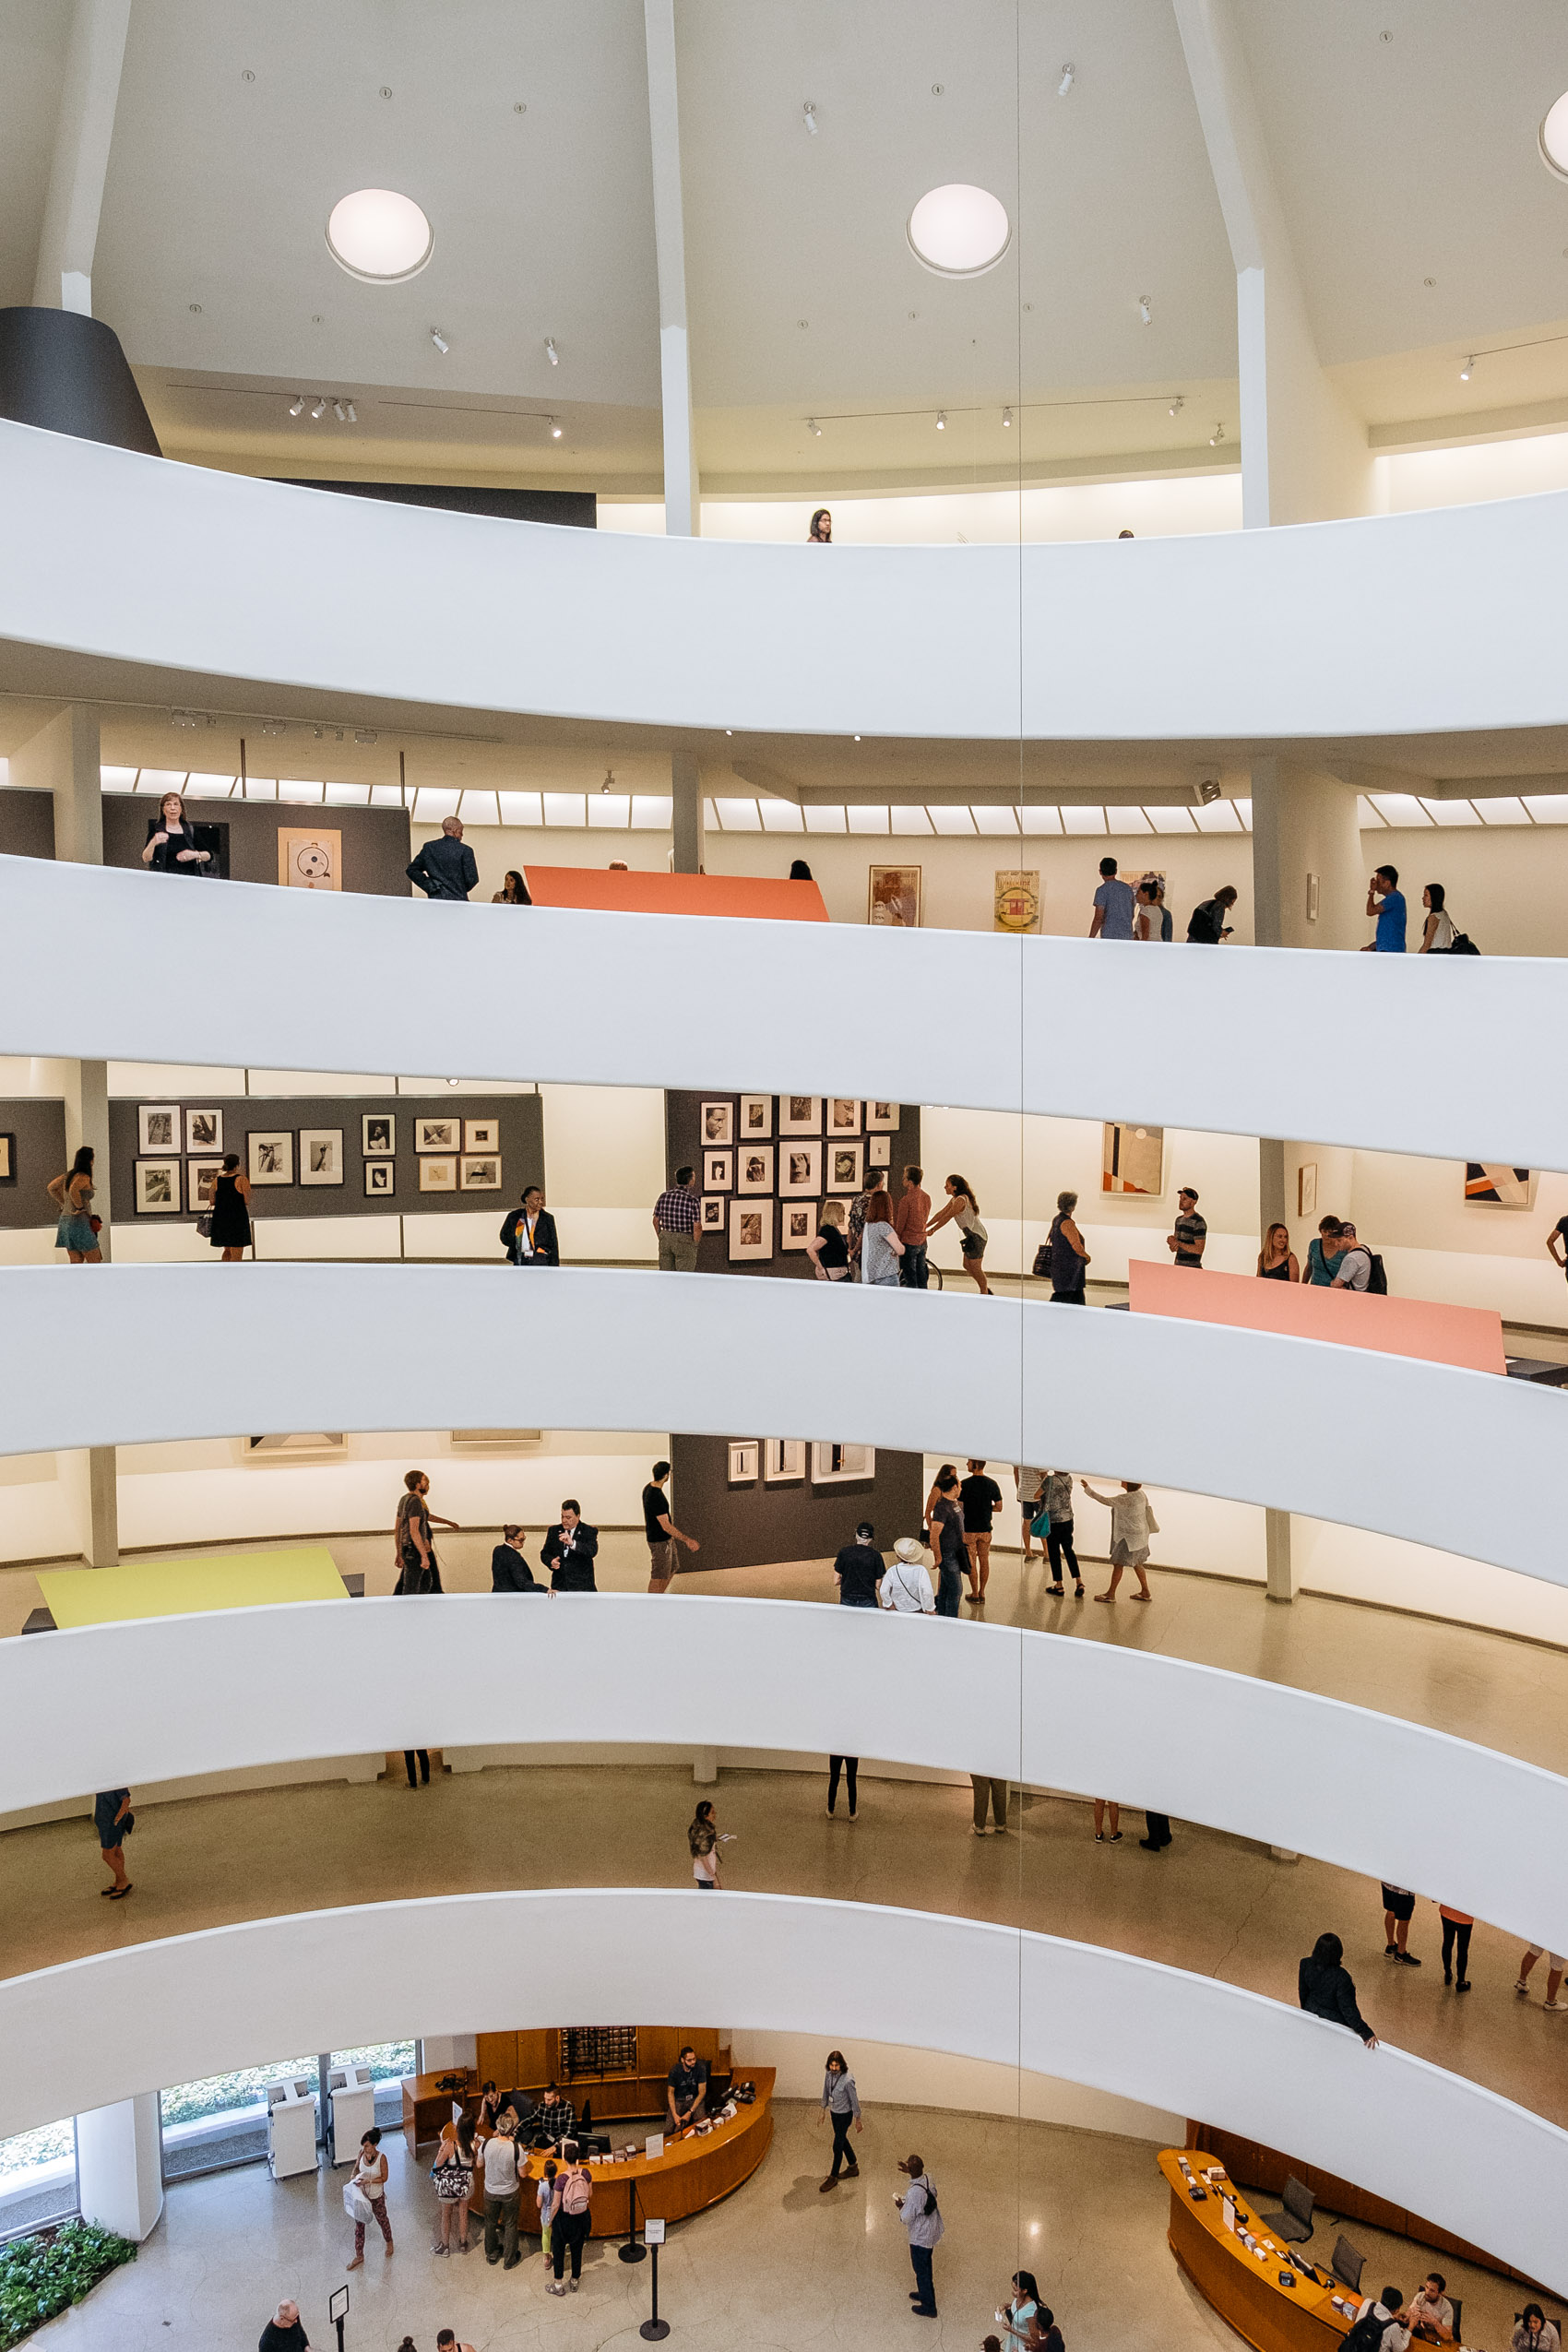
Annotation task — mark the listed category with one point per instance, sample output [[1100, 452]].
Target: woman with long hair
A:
[[842, 2106], [1437, 933], [514, 891], [454, 2178], [72, 1195], [821, 531], [702, 1836], [963, 1210], [231, 1229], [828, 1249], [571, 2216], [1021, 2321], [1277, 1259], [880, 1247], [170, 841]]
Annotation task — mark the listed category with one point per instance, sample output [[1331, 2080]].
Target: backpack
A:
[[1377, 1277], [577, 2192], [1367, 2333]]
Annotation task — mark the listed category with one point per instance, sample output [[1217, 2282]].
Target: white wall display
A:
[[799, 1114], [743, 1458], [158, 1188], [269, 1156], [482, 1174], [380, 1178], [799, 1167], [438, 1134], [481, 1135], [834, 1465], [438, 1173], [204, 1131], [378, 1134], [751, 1229], [719, 1171], [719, 1123], [321, 1155], [756, 1118], [753, 1170], [158, 1126]]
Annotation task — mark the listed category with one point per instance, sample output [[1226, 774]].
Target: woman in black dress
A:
[[170, 843], [230, 1229]]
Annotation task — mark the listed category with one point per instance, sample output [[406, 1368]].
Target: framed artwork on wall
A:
[[7, 1159], [269, 1156], [717, 1122], [482, 1174], [879, 1151], [751, 1229], [1015, 902], [743, 1458], [893, 897], [158, 1188], [380, 1178], [799, 1167], [719, 1171], [797, 1224], [783, 1460], [1132, 1159], [844, 1168], [204, 1131], [1306, 1189], [882, 1117], [756, 1118], [158, 1126], [438, 1134], [378, 1134], [321, 1155], [713, 1213], [481, 1135], [438, 1173], [309, 859], [754, 1168], [200, 1177], [834, 1465], [1492, 1186], [843, 1115], [799, 1114]]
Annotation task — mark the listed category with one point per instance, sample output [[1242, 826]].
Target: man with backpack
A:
[[1360, 1268], [918, 2211], [1382, 2326]]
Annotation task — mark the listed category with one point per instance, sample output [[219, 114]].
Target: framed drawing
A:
[[797, 1224], [158, 1188], [269, 1156], [713, 1209], [879, 1151], [799, 1114], [204, 1131], [200, 1177], [844, 1168], [882, 1117], [1306, 1189], [894, 896], [380, 1178], [799, 1167], [1132, 1159], [309, 859], [743, 1458], [833, 1465], [717, 1122], [1015, 902], [7, 1159], [843, 1115], [378, 1134], [158, 1126], [438, 1173], [754, 1168], [756, 1118], [783, 1458], [751, 1229], [481, 1135], [321, 1155], [719, 1171], [482, 1174], [1492, 1186], [438, 1134]]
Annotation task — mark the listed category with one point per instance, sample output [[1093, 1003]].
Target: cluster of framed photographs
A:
[[180, 1155], [770, 1162], [782, 1461]]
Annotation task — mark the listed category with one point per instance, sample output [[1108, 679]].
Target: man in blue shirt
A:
[[1113, 905], [1385, 900]]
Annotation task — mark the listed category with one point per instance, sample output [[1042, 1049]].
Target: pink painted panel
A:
[[1470, 1336]]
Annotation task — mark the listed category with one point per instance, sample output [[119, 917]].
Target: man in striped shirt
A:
[[675, 1216]]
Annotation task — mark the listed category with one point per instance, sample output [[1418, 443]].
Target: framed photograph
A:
[[438, 1174], [438, 1134], [751, 1229], [158, 1188], [1015, 902], [1306, 1189], [158, 1126], [1492, 1186], [719, 1171], [783, 1459], [882, 1117], [378, 1134], [482, 1174], [799, 1114], [200, 1177], [835, 1465], [7, 1159], [894, 896], [879, 1151], [717, 1122], [321, 1155], [799, 1167], [844, 1168], [481, 1135], [713, 1213], [269, 1156], [380, 1178], [204, 1131], [754, 1168], [756, 1118], [744, 1455], [1132, 1159], [797, 1224], [843, 1115]]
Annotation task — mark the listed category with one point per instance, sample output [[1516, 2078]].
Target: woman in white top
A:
[[370, 2179], [702, 1836], [880, 1247], [906, 1585], [1132, 1524], [1438, 937], [963, 1210]]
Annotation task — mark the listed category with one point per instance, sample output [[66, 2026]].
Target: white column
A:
[[686, 790], [683, 516], [120, 2168], [90, 93]]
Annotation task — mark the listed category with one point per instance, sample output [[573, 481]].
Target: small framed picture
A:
[[835, 1465], [797, 1224], [844, 1168], [754, 1168], [843, 1115], [882, 1117], [744, 1453], [756, 1118], [719, 1171], [158, 1126], [269, 1156], [879, 1151], [893, 897], [799, 1167], [438, 1174], [1132, 1159], [1306, 1189], [158, 1188], [713, 1209], [378, 1134], [321, 1155], [751, 1229], [717, 1122], [799, 1114], [200, 1177], [204, 1131], [481, 1135], [783, 1458], [7, 1159], [380, 1178], [438, 1134], [481, 1174]]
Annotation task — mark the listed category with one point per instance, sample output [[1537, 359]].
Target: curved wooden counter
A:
[[1243, 2285], [694, 2172]]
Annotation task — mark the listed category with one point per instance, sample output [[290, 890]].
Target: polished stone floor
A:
[[775, 2265]]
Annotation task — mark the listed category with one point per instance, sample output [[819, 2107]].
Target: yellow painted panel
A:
[[180, 1587]]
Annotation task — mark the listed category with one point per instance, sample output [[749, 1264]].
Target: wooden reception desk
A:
[[1243, 2289], [694, 2172]]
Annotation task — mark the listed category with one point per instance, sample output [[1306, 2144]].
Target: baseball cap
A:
[[864, 1532]]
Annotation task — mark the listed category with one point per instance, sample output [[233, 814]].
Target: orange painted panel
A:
[[1470, 1336], [760, 899]]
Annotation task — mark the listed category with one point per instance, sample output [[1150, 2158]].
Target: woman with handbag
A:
[[366, 2196], [453, 2174], [76, 1233], [228, 1222], [113, 1821]]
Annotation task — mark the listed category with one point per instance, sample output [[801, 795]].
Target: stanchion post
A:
[[654, 2330], [630, 2252], [337, 2312]]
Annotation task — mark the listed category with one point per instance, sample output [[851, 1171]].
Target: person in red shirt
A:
[[911, 1214]]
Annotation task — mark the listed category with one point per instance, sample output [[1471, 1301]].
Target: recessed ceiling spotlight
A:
[[856, 739], [942, 419], [365, 735], [1069, 74], [353, 413], [1466, 372], [1217, 436], [1145, 310], [550, 353], [808, 116], [297, 404], [959, 230], [1177, 404], [441, 345], [1008, 416], [379, 236], [341, 412], [609, 782], [812, 427], [318, 408], [554, 430]]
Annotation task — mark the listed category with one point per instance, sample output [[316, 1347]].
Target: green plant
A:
[[42, 2275]]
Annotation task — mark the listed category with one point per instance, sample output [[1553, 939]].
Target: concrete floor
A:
[[777, 2264]]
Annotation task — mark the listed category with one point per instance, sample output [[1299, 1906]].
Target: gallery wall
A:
[[26, 824], [753, 1170], [36, 1153], [756, 1519], [375, 843]]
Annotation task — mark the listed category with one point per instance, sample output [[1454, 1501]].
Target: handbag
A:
[[126, 1826], [1041, 1524], [204, 1225]]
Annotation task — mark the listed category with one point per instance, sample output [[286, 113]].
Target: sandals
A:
[[118, 1893]]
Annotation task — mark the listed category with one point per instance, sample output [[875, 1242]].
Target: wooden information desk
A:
[[1244, 2290], [694, 2171]]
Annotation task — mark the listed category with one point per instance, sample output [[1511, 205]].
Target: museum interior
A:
[[567, 529]]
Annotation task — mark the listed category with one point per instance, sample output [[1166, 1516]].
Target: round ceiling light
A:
[[379, 236], [960, 231], [1554, 137]]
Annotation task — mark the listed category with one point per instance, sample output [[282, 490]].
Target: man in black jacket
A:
[[569, 1552], [445, 868], [1207, 926], [529, 1232], [509, 1572], [1326, 1988]]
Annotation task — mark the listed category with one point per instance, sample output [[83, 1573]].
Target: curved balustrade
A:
[[1250, 1415], [584, 998], [1369, 1792], [98, 2030]]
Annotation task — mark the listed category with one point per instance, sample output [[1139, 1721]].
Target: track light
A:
[[1008, 416], [808, 116], [1217, 436], [441, 345], [297, 404], [364, 735], [1145, 310], [341, 412], [812, 427], [353, 413], [272, 727], [1069, 74], [942, 419], [609, 782], [318, 408], [1208, 792], [550, 353], [1177, 404], [554, 430], [1465, 371]]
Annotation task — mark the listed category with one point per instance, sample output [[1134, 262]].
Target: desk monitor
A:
[[718, 2087]]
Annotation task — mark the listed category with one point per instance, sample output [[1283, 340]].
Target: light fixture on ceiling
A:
[[1466, 372], [1217, 436], [550, 353], [958, 230], [812, 427], [808, 116], [365, 735], [1177, 404], [454, 1082], [441, 345], [608, 783], [353, 413], [188, 719], [942, 419], [1207, 791], [554, 430], [318, 408], [341, 412], [379, 236], [297, 404], [856, 739], [272, 727], [1554, 138], [1146, 311], [1069, 76], [1008, 416]]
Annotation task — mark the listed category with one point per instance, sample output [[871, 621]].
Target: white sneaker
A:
[[1558, 2003], [976, 1832], [554, 2289], [572, 2283]]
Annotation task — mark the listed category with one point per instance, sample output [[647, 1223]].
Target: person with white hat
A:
[[906, 1585]]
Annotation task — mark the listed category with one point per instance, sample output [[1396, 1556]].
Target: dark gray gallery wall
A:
[[375, 841], [522, 1151], [38, 1155], [752, 1527], [577, 507], [682, 1148], [26, 824]]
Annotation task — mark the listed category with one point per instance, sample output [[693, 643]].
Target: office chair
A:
[[586, 2119], [1348, 2264], [1295, 2224]]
